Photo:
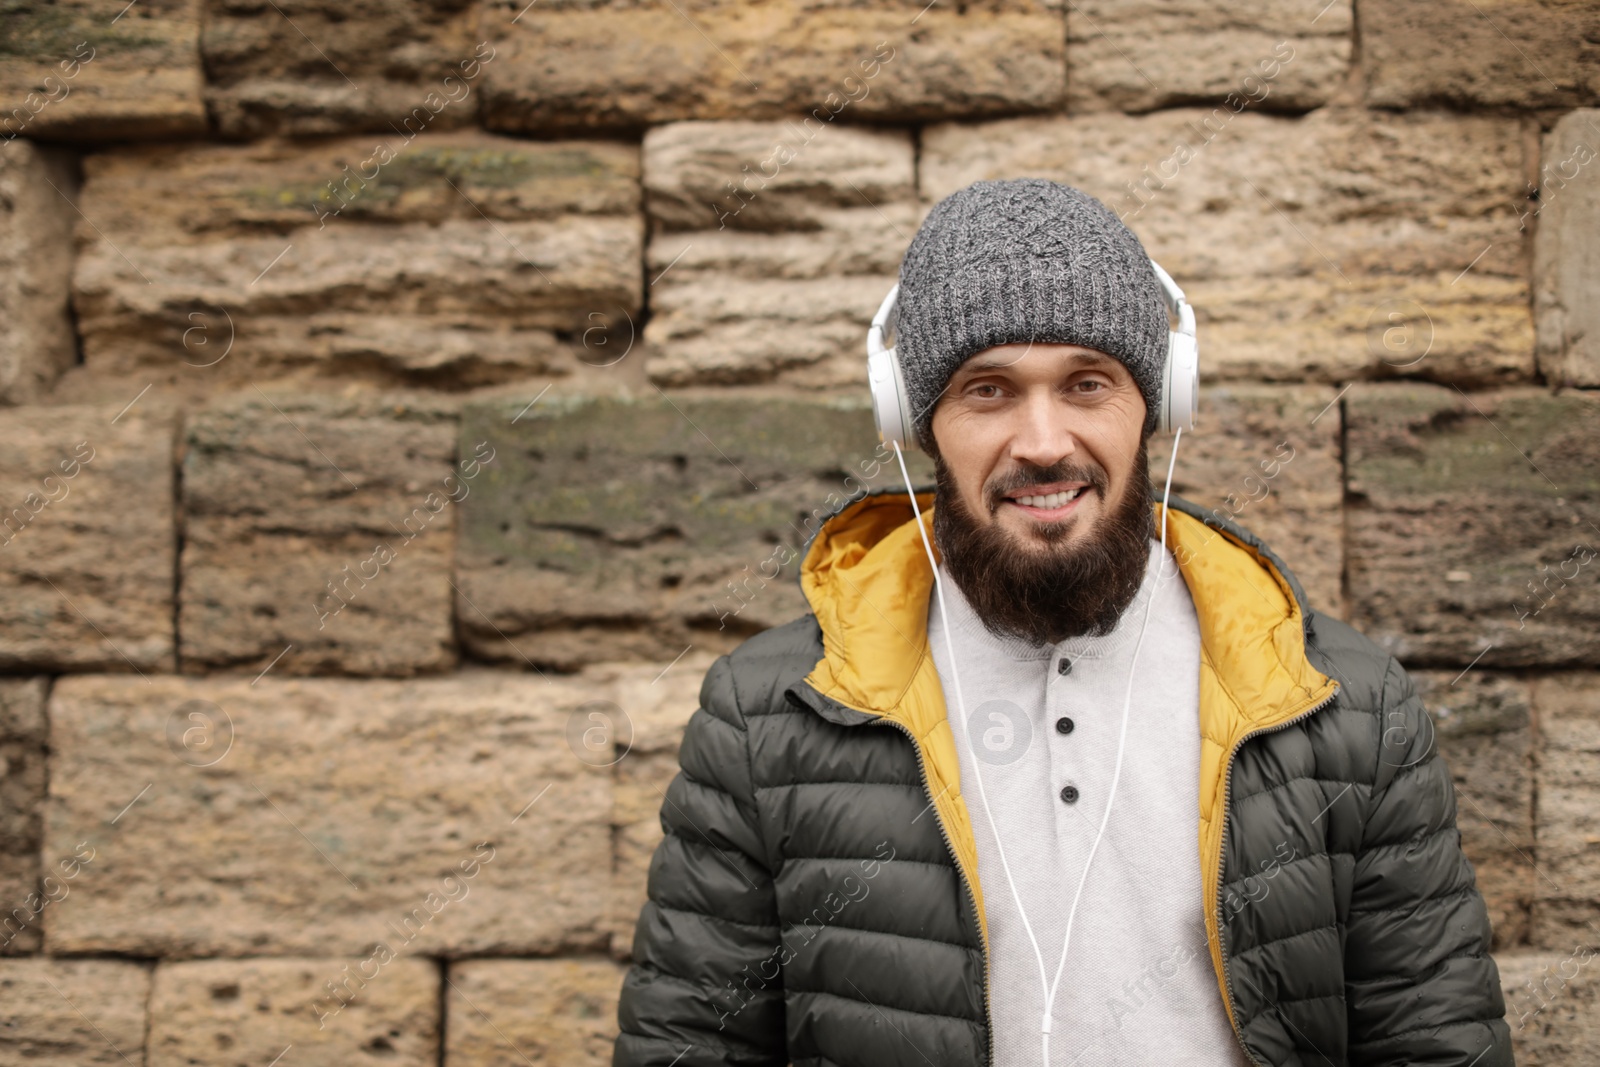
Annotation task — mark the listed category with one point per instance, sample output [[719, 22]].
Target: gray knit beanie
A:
[[1026, 259]]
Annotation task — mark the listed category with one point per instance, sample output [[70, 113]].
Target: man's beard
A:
[[1051, 592]]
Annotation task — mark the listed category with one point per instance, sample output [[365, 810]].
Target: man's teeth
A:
[[1049, 500]]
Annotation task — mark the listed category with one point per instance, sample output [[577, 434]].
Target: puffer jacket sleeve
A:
[[1421, 986], [705, 987]]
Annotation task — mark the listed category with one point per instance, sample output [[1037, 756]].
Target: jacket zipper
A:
[[1227, 781], [972, 898]]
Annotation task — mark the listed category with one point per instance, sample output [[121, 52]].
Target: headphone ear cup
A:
[[1180, 374], [1180, 383], [890, 409]]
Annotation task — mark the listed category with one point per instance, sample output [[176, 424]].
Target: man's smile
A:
[[1050, 502]]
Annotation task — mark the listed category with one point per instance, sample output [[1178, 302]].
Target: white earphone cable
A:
[[1049, 988], [938, 589]]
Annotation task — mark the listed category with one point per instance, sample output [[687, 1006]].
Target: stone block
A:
[[612, 529], [1483, 723], [80, 70], [1567, 901], [656, 699], [1322, 248], [72, 1013], [323, 526], [1487, 53], [435, 259], [1551, 1006], [642, 783], [307, 67], [86, 538], [1472, 524], [655, 705], [36, 216], [22, 754], [328, 817], [255, 1010], [1268, 458], [560, 1013], [587, 64], [715, 175], [761, 279], [1163, 53], [1566, 268]]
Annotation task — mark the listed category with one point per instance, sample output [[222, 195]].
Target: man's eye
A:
[[985, 391], [1089, 385]]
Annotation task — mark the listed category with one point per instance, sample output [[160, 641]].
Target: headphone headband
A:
[[886, 311], [1176, 302]]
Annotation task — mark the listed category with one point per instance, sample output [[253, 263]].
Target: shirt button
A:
[[1064, 666], [1063, 725], [1069, 793]]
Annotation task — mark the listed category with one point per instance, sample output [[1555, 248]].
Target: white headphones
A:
[[1180, 374]]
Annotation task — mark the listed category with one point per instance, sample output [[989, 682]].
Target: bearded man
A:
[[1100, 787]]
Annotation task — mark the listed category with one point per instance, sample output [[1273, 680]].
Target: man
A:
[[1073, 807]]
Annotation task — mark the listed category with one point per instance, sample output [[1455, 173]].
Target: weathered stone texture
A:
[[451, 260], [323, 524], [753, 173], [72, 1013], [79, 70], [36, 340], [655, 708], [775, 243], [618, 529], [22, 755], [317, 67], [1268, 458], [1566, 251], [255, 1010], [1483, 725], [1159, 53], [642, 782], [286, 817], [1473, 523], [549, 1013], [86, 538], [1485, 53], [580, 63], [1566, 904], [1297, 239], [1552, 1006], [701, 175]]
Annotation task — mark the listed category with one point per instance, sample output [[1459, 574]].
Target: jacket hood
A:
[[867, 579]]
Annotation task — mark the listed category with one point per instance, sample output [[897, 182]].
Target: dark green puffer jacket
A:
[[815, 899]]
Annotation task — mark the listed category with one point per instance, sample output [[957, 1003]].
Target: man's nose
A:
[[1045, 434]]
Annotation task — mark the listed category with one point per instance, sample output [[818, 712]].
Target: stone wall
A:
[[401, 406]]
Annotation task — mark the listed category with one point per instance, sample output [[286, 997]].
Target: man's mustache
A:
[[1025, 477]]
